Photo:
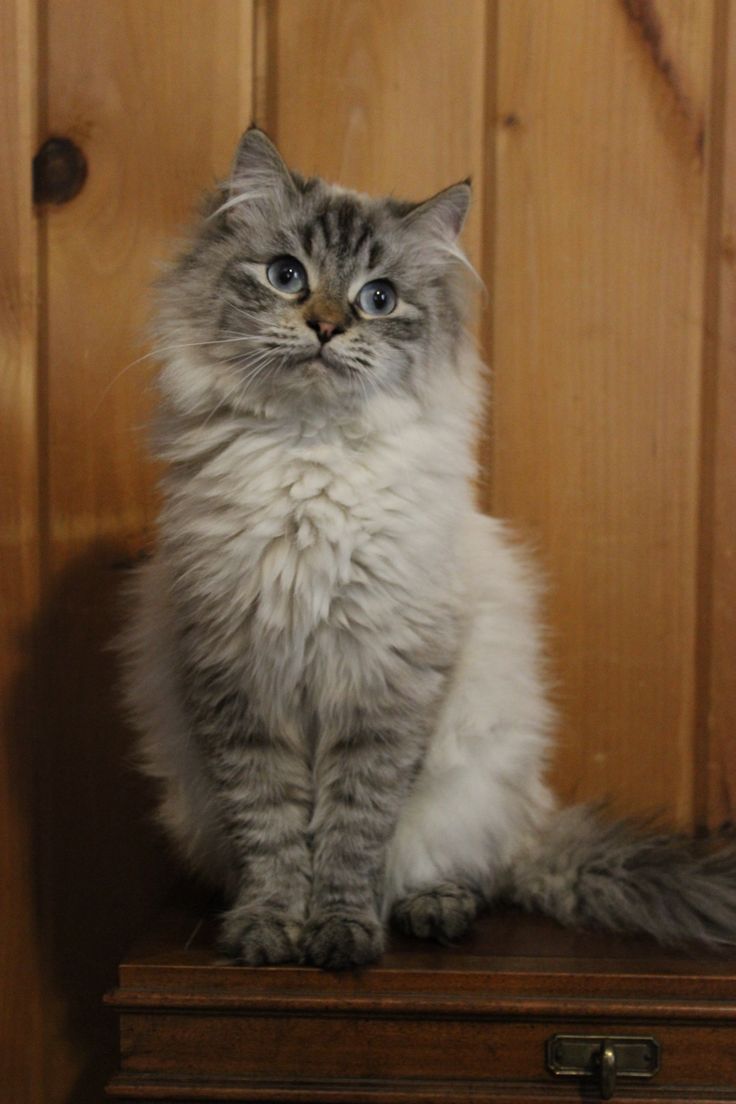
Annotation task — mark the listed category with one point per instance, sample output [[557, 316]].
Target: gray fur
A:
[[622, 876], [444, 912], [334, 660], [265, 211]]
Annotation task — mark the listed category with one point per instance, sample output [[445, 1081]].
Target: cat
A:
[[333, 657]]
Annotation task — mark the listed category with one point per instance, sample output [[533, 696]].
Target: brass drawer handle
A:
[[607, 1069], [603, 1057]]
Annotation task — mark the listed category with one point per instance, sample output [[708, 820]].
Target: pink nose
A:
[[324, 330]]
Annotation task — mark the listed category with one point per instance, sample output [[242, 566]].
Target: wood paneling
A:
[[157, 108], [718, 514], [20, 1035], [380, 96], [602, 125]]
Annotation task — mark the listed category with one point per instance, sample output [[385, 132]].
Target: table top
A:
[[508, 959]]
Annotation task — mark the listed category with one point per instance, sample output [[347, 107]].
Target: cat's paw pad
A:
[[337, 941], [259, 939], [444, 912]]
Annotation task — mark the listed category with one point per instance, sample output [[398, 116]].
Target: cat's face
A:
[[299, 290]]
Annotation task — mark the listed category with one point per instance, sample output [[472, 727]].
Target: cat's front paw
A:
[[444, 912], [256, 938], [337, 941]]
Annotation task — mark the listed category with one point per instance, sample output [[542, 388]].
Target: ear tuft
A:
[[443, 214], [258, 163]]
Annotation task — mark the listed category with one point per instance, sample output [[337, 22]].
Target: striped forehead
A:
[[340, 230]]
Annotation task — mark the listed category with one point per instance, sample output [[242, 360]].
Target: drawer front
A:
[[356, 1057]]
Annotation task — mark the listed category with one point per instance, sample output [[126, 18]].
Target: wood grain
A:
[[603, 117], [157, 115], [425, 1024], [155, 95], [717, 715], [379, 96], [20, 969]]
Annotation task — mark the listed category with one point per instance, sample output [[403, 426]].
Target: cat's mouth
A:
[[322, 359]]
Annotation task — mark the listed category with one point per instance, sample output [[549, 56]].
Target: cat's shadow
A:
[[99, 866]]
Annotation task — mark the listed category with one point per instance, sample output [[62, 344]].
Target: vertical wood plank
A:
[[155, 94], [395, 104], [157, 108], [718, 715], [602, 125], [20, 967]]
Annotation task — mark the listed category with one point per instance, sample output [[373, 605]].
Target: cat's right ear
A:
[[443, 214], [258, 173]]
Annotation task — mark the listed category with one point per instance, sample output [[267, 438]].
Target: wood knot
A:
[[59, 171]]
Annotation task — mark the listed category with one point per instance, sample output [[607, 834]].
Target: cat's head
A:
[[298, 292]]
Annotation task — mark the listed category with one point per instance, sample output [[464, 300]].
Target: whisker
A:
[[156, 352]]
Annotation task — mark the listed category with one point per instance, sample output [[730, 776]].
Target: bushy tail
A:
[[623, 876]]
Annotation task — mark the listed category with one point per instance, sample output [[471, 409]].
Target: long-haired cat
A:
[[333, 657]]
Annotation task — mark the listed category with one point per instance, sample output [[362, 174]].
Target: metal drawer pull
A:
[[608, 1071], [603, 1057]]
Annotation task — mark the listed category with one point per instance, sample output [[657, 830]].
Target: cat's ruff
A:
[[334, 659]]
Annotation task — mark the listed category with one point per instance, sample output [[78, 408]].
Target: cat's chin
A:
[[327, 376], [322, 365], [315, 367], [308, 384]]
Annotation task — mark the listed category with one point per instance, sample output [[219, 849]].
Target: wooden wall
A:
[[601, 136], [20, 972], [599, 304]]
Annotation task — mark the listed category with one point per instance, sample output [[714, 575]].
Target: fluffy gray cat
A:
[[334, 659]]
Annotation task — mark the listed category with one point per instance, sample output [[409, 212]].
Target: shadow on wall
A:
[[101, 867]]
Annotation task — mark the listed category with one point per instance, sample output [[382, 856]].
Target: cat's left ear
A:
[[259, 171], [442, 215]]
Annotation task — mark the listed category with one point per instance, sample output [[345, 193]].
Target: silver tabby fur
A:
[[334, 660]]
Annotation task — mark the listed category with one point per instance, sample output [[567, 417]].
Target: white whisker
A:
[[157, 352]]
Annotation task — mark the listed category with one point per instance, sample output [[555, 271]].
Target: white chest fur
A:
[[314, 559]]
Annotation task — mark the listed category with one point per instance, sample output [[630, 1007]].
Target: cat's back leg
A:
[[480, 793], [443, 912]]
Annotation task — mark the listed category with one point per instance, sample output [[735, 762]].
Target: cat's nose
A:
[[324, 330]]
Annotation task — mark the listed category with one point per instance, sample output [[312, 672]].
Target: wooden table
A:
[[427, 1024]]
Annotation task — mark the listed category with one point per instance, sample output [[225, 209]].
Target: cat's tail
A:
[[623, 876]]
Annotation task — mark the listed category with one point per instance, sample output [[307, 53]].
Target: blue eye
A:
[[287, 274], [377, 298]]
